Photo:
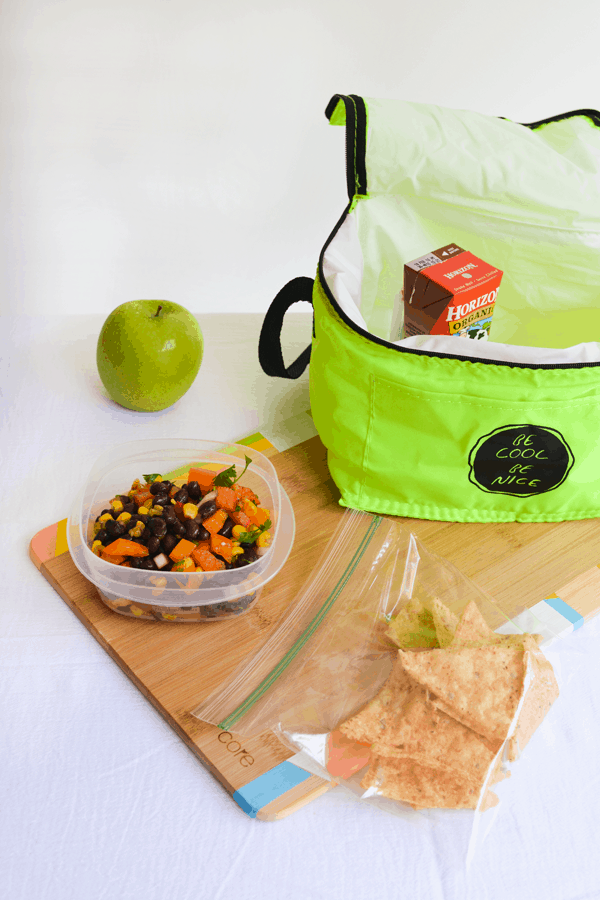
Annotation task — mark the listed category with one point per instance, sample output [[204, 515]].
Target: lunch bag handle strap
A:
[[270, 354]]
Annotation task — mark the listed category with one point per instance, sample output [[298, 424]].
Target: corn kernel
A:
[[155, 511], [96, 547], [263, 539], [137, 529], [135, 487], [147, 504], [124, 518], [105, 517], [237, 530], [116, 505], [97, 527], [237, 550], [190, 510]]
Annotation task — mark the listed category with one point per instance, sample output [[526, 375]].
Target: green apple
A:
[[149, 353]]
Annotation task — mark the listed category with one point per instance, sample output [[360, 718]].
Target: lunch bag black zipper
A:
[[356, 175]]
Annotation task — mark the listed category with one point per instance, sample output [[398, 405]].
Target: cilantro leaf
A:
[[150, 479], [227, 478], [248, 537]]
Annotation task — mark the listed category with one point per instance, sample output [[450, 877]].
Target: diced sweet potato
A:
[[123, 547], [208, 562], [117, 560], [245, 492], [222, 546], [203, 477], [240, 518], [226, 498], [182, 549], [215, 522], [200, 549]]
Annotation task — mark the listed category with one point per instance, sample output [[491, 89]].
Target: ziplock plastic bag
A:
[[379, 605]]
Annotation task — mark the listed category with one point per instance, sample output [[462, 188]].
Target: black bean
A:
[[103, 536], [250, 553], [194, 492], [227, 527], [177, 528], [148, 563], [169, 513], [203, 534], [158, 487], [207, 509], [104, 511], [158, 526], [124, 498], [192, 529], [168, 542], [113, 528], [154, 545], [181, 496]]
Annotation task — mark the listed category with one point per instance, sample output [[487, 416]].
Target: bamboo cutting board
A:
[[550, 568]]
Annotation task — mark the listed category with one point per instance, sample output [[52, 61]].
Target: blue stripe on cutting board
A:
[[277, 781], [566, 611]]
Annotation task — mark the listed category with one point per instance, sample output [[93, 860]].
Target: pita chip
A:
[[539, 697], [481, 687], [423, 786], [473, 631], [424, 733], [413, 627], [372, 720]]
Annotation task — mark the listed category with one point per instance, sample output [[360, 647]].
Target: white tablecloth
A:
[[100, 799]]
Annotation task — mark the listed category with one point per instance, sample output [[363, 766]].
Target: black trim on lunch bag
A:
[[356, 141], [592, 114], [270, 354]]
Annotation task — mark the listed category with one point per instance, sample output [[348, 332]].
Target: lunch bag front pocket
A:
[[466, 457]]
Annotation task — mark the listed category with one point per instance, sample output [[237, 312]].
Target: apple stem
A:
[[157, 312]]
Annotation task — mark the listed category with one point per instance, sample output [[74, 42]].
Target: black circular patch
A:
[[520, 460]]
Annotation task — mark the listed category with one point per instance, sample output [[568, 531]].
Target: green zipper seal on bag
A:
[[308, 632]]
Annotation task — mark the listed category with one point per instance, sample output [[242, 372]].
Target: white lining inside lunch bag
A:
[[524, 198], [377, 307]]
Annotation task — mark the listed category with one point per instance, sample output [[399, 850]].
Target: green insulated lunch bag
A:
[[440, 426]]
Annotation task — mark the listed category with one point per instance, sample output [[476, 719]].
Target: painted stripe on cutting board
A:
[[566, 611], [269, 786], [61, 538], [551, 617]]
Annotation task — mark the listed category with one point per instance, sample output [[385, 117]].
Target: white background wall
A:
[[179, 149]]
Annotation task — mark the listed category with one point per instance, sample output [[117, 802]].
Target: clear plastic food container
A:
[[178, 596]]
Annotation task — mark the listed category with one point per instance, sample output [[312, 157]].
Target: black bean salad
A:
[[207, 523]]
